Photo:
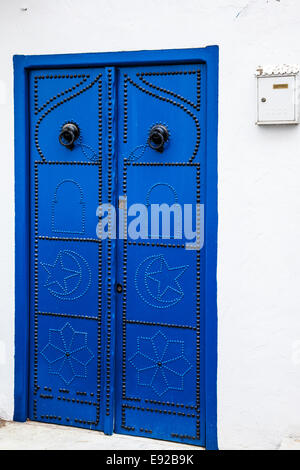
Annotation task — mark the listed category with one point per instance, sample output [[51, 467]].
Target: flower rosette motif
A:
[[67, 353], [160, 363]]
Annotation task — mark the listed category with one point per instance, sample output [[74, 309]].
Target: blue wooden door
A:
[[160, 340], [116, 326], [68, 261]]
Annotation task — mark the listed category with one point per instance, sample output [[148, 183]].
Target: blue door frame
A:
[[22, 67]]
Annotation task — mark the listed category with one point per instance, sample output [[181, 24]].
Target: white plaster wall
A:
[[259, 203]]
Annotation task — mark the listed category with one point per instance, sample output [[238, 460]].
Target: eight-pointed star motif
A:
[[67, 353], [160, 363]]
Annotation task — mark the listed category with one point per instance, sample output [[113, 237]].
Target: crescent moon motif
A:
[[68, 283]]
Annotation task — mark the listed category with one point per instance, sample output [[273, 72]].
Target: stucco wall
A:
[[259, 203]]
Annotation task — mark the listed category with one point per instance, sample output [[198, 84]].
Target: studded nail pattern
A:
[[71, 349], [144, 364]]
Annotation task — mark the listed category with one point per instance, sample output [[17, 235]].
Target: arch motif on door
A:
[[68, 219]]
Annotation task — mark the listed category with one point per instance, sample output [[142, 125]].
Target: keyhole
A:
[[119, 288]]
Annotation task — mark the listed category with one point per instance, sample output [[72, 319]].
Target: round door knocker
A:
[[68, 134], [158, 136]]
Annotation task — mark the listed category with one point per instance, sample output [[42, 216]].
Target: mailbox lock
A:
[[68, 134], [158, 136]]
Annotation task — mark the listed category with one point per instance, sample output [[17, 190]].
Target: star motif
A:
[[167, 278], [58, 274], [160, 363], [67, 353]]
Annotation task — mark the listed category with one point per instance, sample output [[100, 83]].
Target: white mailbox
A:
[[277, 94]]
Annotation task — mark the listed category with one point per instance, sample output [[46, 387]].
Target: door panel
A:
[[67, 334], [160, 346], [147, 364]]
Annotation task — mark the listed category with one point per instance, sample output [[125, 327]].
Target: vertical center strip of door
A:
[[109, 167], [35, 355], [109, 248], [99, 254]]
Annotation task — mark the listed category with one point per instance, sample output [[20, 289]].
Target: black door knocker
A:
[[68, 134], [158, 136]]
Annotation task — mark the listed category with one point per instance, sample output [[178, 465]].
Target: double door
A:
[[116, 308]]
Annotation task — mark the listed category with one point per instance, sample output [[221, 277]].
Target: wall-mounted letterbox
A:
[[277, 95]]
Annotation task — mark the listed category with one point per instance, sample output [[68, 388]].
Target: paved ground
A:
[[40, 436]]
